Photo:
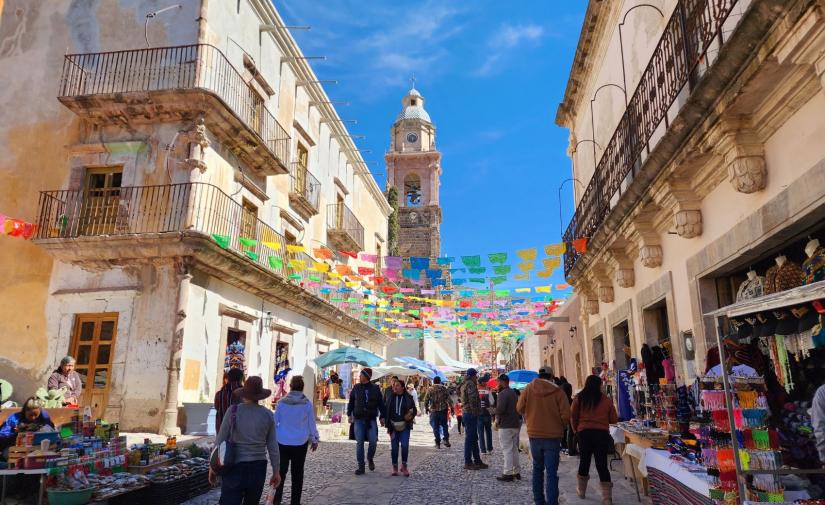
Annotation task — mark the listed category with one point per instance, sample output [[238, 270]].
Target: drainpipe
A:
[[202, 22], [170, 414]]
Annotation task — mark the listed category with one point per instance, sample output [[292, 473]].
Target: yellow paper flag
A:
[[297, 264], [527, 254], [275, 246], [295, 248], [544, 289], [351, 284], [551, 263], [522, 277], [555, 249], [321, 267], [523, 290], [334, 275], [526, 266], [544, 274]]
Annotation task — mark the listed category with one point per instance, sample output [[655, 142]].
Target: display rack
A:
[[775, 301]]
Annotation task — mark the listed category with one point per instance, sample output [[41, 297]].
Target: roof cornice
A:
[[591, 32], [304, 72]]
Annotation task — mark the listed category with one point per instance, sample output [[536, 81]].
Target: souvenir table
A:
[[41, 472]]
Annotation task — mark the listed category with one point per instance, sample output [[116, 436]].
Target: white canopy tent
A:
[[459, 365]]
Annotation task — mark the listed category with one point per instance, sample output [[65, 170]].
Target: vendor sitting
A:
[[33, 417], [66, 378]]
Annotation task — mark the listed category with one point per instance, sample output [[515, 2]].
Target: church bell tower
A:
[[414, 168]]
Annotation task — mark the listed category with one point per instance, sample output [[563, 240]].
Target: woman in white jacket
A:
[[296, 430]]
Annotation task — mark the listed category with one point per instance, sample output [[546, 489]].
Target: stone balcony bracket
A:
[[625, 277], [743, 154], [624, 274], [644, 230], [651, 256], [606, 294], [591, 305], [687, 216]]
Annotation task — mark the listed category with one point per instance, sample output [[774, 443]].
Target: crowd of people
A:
[[555, 422]]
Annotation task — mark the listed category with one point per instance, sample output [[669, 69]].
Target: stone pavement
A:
[[438, 478]]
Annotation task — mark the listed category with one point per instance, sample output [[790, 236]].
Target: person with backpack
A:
[[592, 414], [365, 404], [401, 412]]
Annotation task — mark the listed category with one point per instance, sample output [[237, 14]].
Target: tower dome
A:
[[413, 104]]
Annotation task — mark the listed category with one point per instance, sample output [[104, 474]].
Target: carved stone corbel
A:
[[624, 275], [687, 216], [743, 155], [591, 301], [198, 141], [650, 249]]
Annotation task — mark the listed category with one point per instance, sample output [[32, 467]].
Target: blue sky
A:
[[492, 74]]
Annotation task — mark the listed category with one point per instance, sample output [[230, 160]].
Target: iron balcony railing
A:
[[196, 66], [340, 219], [694, 28], [304, 185], [194, 208]]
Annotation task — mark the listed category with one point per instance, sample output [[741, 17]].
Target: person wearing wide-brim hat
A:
[[251, 428]]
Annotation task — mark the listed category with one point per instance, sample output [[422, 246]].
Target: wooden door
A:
[[93, 345], [101, 200]]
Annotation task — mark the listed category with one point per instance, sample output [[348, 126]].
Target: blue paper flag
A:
[[419, 263]]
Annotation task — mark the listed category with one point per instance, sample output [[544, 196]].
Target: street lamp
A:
[[573, 179], [593, 122]]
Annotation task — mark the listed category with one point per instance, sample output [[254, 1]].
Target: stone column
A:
[[170, 414]]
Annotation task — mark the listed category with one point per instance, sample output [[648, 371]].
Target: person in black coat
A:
[[365, 404], [401, 412]]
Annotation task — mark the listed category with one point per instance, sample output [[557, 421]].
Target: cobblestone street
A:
[[438, 478]]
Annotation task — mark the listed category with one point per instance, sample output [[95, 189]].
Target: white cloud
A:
[[394, 42], [504, 42]]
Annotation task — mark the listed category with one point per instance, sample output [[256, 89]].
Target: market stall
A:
[[771, 362], [87, 460]]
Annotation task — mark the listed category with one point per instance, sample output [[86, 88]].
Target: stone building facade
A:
[[187, 148], [695, 131]]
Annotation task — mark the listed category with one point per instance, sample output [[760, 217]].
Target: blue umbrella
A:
[[524, 376], [425, 367], [348, 355]]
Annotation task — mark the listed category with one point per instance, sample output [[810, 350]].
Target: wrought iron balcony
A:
[[692, 35], [344, 229], [304, 190], [181, 82], [193, 219]]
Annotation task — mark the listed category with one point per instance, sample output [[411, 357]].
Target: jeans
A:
[[365, 429], [244, 483], [471, 454], [458, 420], [438, 420], [596, 444], [401, 438], [545, 453], [297, 455], [508, 438], [485, 433]]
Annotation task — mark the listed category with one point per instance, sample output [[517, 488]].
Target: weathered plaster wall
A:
[[34, 130]]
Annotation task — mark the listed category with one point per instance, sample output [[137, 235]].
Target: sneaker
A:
[[482, 466], [506, 478], [472, 466], [438, 445], [404, 471], [394, 470], [360, 471], [447, 443], [372, 465]]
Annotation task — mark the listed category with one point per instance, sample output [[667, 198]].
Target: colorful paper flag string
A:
[[221, 240]]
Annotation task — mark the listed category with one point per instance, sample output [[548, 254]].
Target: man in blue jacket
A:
[[366, 402]]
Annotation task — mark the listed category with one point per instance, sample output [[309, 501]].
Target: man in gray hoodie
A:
[[508, 422]]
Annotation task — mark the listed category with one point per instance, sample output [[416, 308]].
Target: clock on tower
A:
[[414, 168]]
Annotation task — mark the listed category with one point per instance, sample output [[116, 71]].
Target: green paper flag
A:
[[352, 300], [252, 255], [247, 242], [295, 277], [471, 261], [497, 258], [276, 262], [477, 280], [502, 269], [221, 240], [414, 312], [498, 280], [477, 270], [315, 278], [482, 292], [502, 292]]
